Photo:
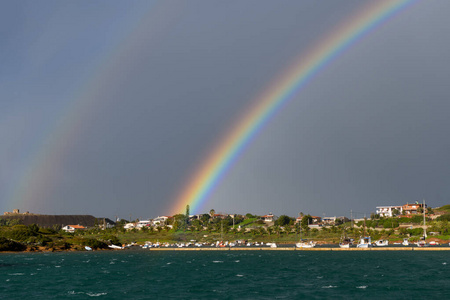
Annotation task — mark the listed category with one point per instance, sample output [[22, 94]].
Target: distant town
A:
[[407, 210], [404, 224]]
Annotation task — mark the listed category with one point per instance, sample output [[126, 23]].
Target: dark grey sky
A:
[[108, 108]]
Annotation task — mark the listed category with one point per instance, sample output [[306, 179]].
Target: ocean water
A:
[[144, 274]]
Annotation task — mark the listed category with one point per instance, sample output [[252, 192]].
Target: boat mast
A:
[[424, 227]]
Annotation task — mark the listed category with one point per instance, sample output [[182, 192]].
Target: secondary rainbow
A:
[[206, 178]]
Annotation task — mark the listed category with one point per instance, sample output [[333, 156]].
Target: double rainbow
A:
[[208, 176]]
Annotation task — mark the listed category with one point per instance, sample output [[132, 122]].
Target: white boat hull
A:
[[305, 245], [382, 243]]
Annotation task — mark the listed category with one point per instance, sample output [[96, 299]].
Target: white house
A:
[[143, 223], [269, 218], [160, 220], [72, 228], [129, 225], [329, 220], [386, 211]]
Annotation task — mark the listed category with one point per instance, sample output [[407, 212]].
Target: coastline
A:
[[307, 249], [408, 248]]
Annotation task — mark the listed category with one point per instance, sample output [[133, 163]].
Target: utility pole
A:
[[351, 218]]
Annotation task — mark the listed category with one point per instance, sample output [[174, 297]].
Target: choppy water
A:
[[225, 275]]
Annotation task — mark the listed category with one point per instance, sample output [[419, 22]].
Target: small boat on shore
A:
[[422, 242], [364, 242], [88, 248], [116, 247], [405, 242], [344, 245], [309, 244], [345, 241], [271, 245], [381, 243]]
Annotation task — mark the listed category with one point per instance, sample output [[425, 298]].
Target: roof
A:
[[77, 226], [267, 216]]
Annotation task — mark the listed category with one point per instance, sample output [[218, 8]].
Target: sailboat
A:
[[364, 241], [304, 244], [422, 242], [345, 241]]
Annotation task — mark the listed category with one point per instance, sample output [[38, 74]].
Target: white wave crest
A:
[[96, 294]]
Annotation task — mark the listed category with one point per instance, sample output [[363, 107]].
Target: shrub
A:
[[445, 217], [94, 244], [8, 245]]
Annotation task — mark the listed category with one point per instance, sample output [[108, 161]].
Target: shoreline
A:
[[243, 249], [307, 249]]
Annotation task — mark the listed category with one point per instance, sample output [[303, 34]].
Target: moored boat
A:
[[345, 242], [364, 242], [381, 243], [305, 244], [422, 242]]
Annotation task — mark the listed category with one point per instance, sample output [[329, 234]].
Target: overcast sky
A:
[[109, 107]]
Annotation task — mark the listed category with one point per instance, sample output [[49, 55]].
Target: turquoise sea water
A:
[[225, 275]]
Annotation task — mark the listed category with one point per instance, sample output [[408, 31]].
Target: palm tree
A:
[[277, 229], [262, 230], [287, 229]]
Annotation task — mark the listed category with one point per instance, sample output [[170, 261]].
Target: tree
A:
[[283, 220], [205, 218], [187, 215], [262, 230], [287, 229], [277, 229], [179, 221], [305, 222], [34, 228]]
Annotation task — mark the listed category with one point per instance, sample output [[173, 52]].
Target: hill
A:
[[50, 220]]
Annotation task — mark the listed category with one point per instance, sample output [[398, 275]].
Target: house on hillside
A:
[[105, 223], [269, 218], [73, 228], [143, 223], [220, 216], [161, 221], [129, 226], [387, 211], [411, 209], [314, 219], [329, 220]]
